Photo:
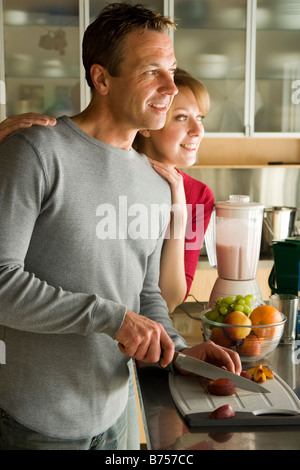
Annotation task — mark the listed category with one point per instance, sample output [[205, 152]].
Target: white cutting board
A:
[[279, 407]]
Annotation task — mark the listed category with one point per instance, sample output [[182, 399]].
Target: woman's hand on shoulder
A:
[[169, 173], [174, 178], [20, 121]]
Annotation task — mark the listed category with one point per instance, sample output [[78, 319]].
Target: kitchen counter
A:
[[165, 429]]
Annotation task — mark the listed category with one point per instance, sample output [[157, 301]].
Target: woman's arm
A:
[[172, 281], [13, 123]]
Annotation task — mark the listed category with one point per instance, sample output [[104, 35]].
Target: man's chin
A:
[[156, 125]]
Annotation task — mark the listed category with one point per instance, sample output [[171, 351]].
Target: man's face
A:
[[142, 93]]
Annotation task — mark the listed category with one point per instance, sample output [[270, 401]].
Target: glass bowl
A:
[[252, 342]]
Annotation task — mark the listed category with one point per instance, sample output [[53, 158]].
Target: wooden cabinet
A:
[[249, 152]]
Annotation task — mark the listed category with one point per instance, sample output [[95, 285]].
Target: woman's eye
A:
[[184, 117], [151, 72]]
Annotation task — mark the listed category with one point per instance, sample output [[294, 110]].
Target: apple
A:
[[218, 336], [223, 412], [221, 387], [249, 346], [260, 373], [246, 375], [240, 319]]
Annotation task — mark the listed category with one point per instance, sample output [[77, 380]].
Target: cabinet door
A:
[[41, 56], [210, 43], [278, 65]]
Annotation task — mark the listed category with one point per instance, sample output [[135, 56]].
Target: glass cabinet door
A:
[[41, 56], [210, 43], [278, 65]]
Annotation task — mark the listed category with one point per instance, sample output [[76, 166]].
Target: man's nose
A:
[[168, 86]]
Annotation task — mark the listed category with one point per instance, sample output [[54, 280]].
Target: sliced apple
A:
[[268, 372], [260, 373]]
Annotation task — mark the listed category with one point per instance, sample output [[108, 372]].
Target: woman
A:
[[177, 145]]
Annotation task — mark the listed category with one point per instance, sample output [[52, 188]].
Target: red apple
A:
[[250, 346], [218, 336]]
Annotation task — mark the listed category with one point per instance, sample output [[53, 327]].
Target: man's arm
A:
[[145, 340], [152, 304], [154, 307]]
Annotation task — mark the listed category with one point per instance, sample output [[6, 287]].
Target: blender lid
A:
[[239, 202]]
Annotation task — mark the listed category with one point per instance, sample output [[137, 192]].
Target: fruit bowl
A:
[[252, 342]]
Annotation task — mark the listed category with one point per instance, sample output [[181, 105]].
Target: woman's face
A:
[[177, 143]]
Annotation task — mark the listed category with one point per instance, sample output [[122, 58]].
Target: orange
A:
[[265, 315]]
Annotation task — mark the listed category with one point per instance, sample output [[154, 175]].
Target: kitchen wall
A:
[[271, 186]]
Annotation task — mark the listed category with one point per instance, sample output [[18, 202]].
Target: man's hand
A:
[[145, 340], [13, 123], [217, 355]]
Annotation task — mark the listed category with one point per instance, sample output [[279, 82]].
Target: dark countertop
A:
[[165, 428]]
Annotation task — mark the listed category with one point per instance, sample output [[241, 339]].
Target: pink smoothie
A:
[[235, 263], [237, 247]]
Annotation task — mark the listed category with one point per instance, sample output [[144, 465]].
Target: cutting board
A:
[[279, 407]]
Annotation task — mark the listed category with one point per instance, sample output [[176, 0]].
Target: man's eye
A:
[[200, 118], [151, 72]]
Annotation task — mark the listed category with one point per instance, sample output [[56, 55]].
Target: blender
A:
[[233, 241]]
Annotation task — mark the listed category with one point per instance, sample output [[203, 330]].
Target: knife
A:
[[212, 372]]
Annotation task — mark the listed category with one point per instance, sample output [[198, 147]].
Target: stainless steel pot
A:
[[278, 224]]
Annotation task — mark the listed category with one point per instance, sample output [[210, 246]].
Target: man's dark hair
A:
[[103, 39]]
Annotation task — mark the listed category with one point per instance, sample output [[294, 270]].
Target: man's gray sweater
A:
[[79, 244]]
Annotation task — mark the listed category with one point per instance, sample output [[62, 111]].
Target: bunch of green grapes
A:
[[229, 304]]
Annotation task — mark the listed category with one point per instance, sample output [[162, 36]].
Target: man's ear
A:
[[144, 132], [99, 76]]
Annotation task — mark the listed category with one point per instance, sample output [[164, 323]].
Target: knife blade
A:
[[209, 371]]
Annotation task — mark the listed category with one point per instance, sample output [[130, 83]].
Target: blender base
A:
[[227, 287]]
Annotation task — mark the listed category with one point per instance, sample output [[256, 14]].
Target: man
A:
[[74, 274]]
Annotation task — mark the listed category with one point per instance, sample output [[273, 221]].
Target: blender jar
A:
[[238, 237]]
